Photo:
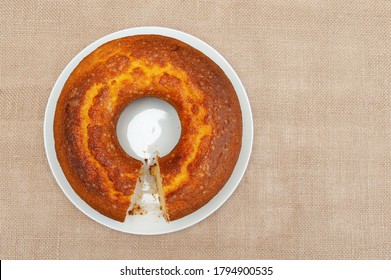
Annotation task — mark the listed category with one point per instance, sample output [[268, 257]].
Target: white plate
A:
[[152, 224]]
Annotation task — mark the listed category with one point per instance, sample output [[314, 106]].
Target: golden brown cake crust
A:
[[126, 69]]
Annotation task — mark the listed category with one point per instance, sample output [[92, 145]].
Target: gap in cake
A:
[[154, 170], [145, 199]]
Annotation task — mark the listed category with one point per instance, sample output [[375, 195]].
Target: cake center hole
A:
[[147, 126]]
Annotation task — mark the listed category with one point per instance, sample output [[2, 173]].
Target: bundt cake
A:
[[122, 71]]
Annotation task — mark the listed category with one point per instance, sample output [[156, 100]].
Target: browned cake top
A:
[[130, 68]]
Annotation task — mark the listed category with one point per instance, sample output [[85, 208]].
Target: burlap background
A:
[[318, 76]]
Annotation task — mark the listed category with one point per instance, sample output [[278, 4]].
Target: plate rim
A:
[[247, 128]]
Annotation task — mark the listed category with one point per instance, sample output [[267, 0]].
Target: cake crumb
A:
[[137, 210]]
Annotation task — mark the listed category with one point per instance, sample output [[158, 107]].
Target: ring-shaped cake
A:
[[120, 72]]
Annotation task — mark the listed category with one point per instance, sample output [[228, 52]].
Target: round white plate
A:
[[151, 223]]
